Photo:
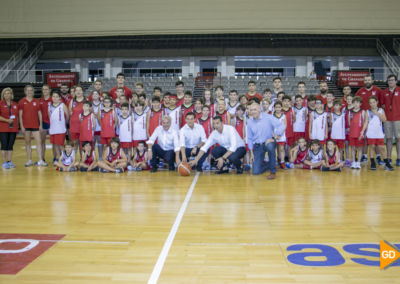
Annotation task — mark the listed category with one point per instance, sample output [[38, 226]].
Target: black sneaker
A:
[[222, 171], [239, 171], [373, 166], [363, 159], [324, 169], [397, 162], [338, 170], [389, 167], [379, 160], [153, 170]]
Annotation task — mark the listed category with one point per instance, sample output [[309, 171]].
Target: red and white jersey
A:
[[155, 118], [184, 111], [174, 114], [315, 157], [198, 114], [374, 129], [89, 159], [332, 159], [318, 124], [86, 132], [282, 119], [140, 157], [300, 123], [96, 109], [301, 155], [76, 110], [356, 123], [107, 123], [289, 122], [139, 127], [239, 125], [57, 119], [112, 157], [67, 160], [125, 129], [338, 129], [207, 125], [223, 115], [232, 109]]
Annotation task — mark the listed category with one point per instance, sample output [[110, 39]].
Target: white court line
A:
[[167, 245], [276, 244], [87, 242]]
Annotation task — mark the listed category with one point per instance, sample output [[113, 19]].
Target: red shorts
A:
[[74, 136], [281, 143], [347, 137], [126, 145], [322, 142], [298, 135], [135, 143], [81, 142], [355, 142], [378, 142], [97, 133], [339, 143], [58, 139], [105, 140], [290, 140]]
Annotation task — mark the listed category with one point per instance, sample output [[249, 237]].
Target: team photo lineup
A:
[[128, 130]]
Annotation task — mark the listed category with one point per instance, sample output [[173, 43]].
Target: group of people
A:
[[133, 131]]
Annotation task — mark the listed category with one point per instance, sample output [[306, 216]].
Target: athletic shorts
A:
[[355, 142], [57, 139], [339, 143], [74, 136], [126, 145], [32, 129], [378, 142], [105, 140]]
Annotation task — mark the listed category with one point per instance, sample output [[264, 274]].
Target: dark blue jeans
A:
[[259, 151], [188, 152], [234, 158], [168, 156]]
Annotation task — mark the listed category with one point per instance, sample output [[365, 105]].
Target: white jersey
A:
[[319, 124], [67, 160], [282, 120], [57, 119], [300, 123], [338, 131], [232, 109], [96, 109], [139, 127], [146, 109], [174, 115], [315, 158], [374, 129], [125, 129]]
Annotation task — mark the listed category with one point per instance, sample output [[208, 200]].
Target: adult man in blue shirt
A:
[[262, 130]]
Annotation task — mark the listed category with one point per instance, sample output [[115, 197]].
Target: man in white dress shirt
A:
[[230, 150], [167, 145], [192, 137]]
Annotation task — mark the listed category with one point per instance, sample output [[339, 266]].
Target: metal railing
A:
[[29, 62], [396, 45], [389, 60], [13, 61]]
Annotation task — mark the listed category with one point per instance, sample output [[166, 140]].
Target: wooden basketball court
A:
[[142, 227]]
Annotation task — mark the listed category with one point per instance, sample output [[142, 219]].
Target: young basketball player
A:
[[208, 100], [198, 108], [282, 140], [75, 109], [299, 154], [300, 113], [332, 161], [187, 106], [66, 161], [358, 121], [139, 125], [139, 161], [243, 100], [114, 159], [125, 122], [154, 116], [266, 103], [311, 106], [97, 106], [346, 110], [165, 101], [290, 120], [88, 124], [301, 91], [315, 156], [319, 123], [219, 94], [108, 119], [338, 127], [375, 135], [221, 111], [206, 122], [233, 102], [329, 101], [89, 160], [174, 112], [44, 103], [58, 116]]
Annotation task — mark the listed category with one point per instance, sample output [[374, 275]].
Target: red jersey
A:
[[76, 110], [127, 92], [308, 124], [66, 99], [256, 95], [391, 103], [223, 115], [90, 98], [239, 125], [331, 159], [212, 110], [198, 115], [289, 122], [86, 132], [155, 118], [6, 111], [179, 102], [305, 102], [356, 123], [206, 125], [301, 156], [107, 124], [324, 100], [89, 159], [30, 109], [184, 111], [140, 158], [44, 108], [365, 94], [328, 109], [112, 157]]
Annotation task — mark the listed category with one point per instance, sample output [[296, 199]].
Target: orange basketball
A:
[[184, 169]]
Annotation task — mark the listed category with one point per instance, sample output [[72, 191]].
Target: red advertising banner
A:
[[352, 78], [54, 80]]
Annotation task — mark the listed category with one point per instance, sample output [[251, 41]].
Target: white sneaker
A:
[[353, 165], [359, 165], [130, 168], [29, 164]]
